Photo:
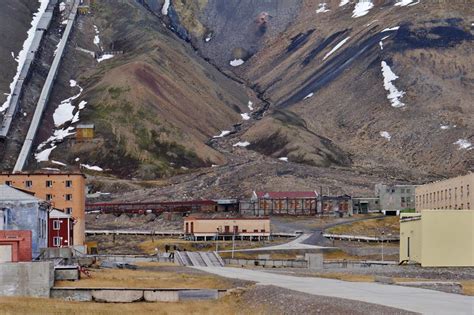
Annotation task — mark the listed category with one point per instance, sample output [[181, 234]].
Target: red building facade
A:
[[15, 246], [60, 229]]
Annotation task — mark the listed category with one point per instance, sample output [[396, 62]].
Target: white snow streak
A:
[[165, 8], [92, 168], [245, 116], [58, 163], [385, 135], [96, 37], [381, 42], [362, 7], [463, 144], [222, 134], [391, 29], [284, 159], [250, 105], [394, 94], [24, 51], [342, 42], [105, 57], [403, 3], [343, 3], [322, 8], [308, 96], [236, 62], [242, 144], [44, 155]]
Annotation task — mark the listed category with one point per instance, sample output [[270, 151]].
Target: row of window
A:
[[48, 183], [402, 190], [442, 195], [468, 207], [41, 228], [67, 197]]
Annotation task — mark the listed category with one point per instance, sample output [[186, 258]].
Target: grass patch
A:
[[389, 225], [116, 278], [23, 305], [468, 287]]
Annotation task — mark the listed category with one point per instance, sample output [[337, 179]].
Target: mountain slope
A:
[[336, 70]]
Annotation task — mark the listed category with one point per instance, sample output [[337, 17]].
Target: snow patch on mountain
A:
[[342, 42], [222, 134], [20, 59], [165, 7], [362, 7], [394, 94], [242, 144], [236, 62], [463, 144], [386, 135], [245, 116], [322, 8], [404, 3]]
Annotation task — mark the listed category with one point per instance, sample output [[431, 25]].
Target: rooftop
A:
[[286, 194], [8, 193]]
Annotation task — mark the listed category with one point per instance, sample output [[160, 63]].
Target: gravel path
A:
[[276, 300]]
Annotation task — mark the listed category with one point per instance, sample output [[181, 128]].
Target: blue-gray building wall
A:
[[27, 215]]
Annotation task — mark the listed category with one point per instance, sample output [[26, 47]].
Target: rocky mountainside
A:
[[354, 83], [298, 92]]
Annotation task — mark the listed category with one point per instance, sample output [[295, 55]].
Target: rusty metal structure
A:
[[152, 207]]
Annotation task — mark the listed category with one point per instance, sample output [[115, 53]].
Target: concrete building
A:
[[394, 198], [226, 228], [60, 229], [284, 202], [15, 246], [450, 194], [65, 191], [22, 211], [438, 238], [364, 205]]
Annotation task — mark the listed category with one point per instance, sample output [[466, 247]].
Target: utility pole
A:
[[382, 242]]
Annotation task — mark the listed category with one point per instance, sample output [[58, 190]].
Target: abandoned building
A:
[[64, 191], [15, 246], [340, 205], [450, 194], [283, 203], [395, 198], [23, 212], [60, 229], [204, 228], [364, 205]]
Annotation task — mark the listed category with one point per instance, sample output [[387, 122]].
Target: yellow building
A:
[[85, 132], [226, 228], [65, 191], [450, 194], [438, 238]]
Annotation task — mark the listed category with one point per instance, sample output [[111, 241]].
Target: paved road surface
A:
[[297, 243], [411, 299]]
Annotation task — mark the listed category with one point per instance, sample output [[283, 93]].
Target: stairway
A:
[[199, 259]]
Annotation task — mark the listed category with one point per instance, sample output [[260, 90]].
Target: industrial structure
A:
[[65, 191], [395, 198], [283, 203], [23, 212], [204, 228], [450, 194], [438, 238]]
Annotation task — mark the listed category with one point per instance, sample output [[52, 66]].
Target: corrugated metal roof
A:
[[286, 194], [8, 193], [85, 126]]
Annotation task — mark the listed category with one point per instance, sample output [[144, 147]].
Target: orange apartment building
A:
[[65, 191]]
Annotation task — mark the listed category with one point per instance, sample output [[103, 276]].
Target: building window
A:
[[49, 183], [49, 197], [56, 241], [255, 231], [408, 199], [462, 192], [28, 184], [8, 182], [468, 206], [262, 230], [408, 190], [69, 183], [402, 190], [56, 225], [68, 210], [467, 190], [68, 197]]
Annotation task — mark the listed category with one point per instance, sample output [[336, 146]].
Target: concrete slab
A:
[[161, 296], [26, 279], [72, 295], [198, 295], [117, 296]]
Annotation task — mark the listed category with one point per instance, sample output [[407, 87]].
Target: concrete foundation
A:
[[26, 279], [72, 295], [315, 261], [117, 296], [198, 295], [66, 273], [161, 296]]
